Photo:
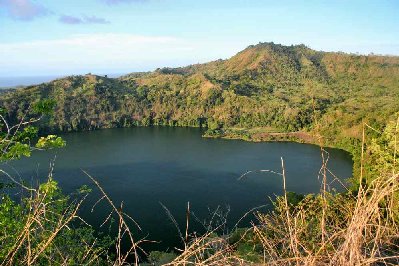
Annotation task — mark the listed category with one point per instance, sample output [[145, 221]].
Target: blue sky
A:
[[52, 37]]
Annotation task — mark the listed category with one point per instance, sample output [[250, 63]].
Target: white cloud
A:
[[109, 53], [93, 42], [91, 52]]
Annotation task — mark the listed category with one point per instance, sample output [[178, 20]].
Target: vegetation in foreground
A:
[[358, 227], [266, 92], [39, 225]]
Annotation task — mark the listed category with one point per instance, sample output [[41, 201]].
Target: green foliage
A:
[[44, 107], [288, 88], [42, 215], [294, 199], [50, 141], [18, 140], [16, 150], [11, 223], [246, 245], [49, 188], [41, 227], [158, 258], [336, 216], [381, 153], [84, 189], [27, 134]]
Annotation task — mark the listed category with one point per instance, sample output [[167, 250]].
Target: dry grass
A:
[[354, 228], [39, 231], [124, 231], [358, 228], [35, 243], [368, 234]]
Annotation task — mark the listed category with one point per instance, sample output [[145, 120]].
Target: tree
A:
[[43, 227]]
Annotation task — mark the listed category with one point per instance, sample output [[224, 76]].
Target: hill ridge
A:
[[280, 88]]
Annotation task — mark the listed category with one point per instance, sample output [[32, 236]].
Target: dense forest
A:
[[267, 87]]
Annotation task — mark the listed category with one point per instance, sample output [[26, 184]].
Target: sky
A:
[[53, 37]]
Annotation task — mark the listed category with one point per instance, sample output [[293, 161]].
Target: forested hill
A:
[[275, 87]]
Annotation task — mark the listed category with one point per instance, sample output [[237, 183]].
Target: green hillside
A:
[[263, 90]]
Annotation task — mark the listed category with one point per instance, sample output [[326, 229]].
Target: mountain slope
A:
[[281, 88]]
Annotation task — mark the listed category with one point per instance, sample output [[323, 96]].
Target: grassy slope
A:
[[264, 89]]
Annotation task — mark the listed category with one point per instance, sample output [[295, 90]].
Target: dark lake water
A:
[[144, 167]]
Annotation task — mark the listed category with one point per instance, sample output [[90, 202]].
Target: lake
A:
[[147, 167]]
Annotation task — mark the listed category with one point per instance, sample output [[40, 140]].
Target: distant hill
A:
[[282, 88]]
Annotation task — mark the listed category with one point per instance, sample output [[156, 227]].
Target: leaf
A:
[[16, 151], [84, 189], [45, 106], [49, 142], [49, 187]]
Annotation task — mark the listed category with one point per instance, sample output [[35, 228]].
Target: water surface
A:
[[144, 167]]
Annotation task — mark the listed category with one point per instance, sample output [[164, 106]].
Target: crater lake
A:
[[151, 169]]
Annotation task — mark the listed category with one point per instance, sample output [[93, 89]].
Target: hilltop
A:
[[265, 88]]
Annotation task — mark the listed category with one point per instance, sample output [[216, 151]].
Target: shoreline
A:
[[245, 134], [256, 135]]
